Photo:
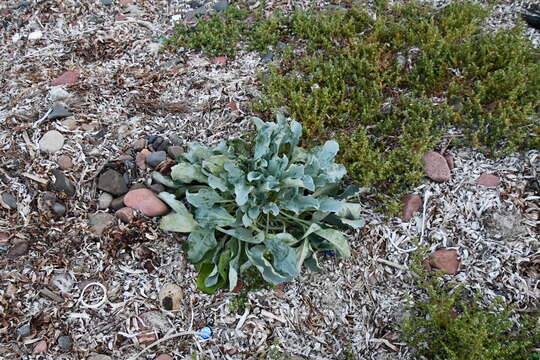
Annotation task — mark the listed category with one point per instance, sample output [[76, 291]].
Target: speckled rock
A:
[[65, 343]]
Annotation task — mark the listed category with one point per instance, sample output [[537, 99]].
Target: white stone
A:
[[57, 93], [35, 35], [51, 142]]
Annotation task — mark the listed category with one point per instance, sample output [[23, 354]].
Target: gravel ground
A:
[[54, 268]]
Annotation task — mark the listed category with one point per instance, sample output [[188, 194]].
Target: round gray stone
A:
[[65, 343], [59, 209], [155, 158], [51, 142], [112, 182], [24, 330]]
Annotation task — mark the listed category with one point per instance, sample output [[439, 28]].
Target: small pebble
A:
[[19, 249], [104, 201], [112, 182], [221, 5], [59, 209], [64, 162], [9, 200], [58, 111], [174, 151], [57, 93], [155, 158], [24, 330], [51, 142], [164, 357], [67, 78], [106, 2], [65, 343], [118, 203], [125, 214], [489, 180], [146, 201], [139, 144], [35, 35], [157, 188], [99, 222], [40, 347], [62, 183]]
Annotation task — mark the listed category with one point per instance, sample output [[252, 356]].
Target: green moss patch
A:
[[447, 324]]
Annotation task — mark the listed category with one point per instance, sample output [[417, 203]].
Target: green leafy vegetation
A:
[[389, 87], [451, 326], [268, 205], [251, 281], [216, 35]]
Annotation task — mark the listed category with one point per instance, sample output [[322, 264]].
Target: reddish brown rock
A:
[[489, 180], [436, 167], [64, 162], [233, 105], [146, 201], [67, 78], [411, 204], [164, 357], [219, 60], [450, 161], [120, 17], [139, 144], [445, 260], [140, 158], [125, 214], [40, 347]]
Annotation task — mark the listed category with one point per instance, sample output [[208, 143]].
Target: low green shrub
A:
[[447, 325], [388, 87], [269, 205]]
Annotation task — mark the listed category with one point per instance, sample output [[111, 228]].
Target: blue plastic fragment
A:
[[329, 252], [206, 332]]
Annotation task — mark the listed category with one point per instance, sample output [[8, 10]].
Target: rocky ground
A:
[[89, 107]]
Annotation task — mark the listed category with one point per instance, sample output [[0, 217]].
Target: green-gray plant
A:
[[267, 205], [447, 325]]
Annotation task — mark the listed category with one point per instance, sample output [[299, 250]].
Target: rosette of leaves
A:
[[266, 204]]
